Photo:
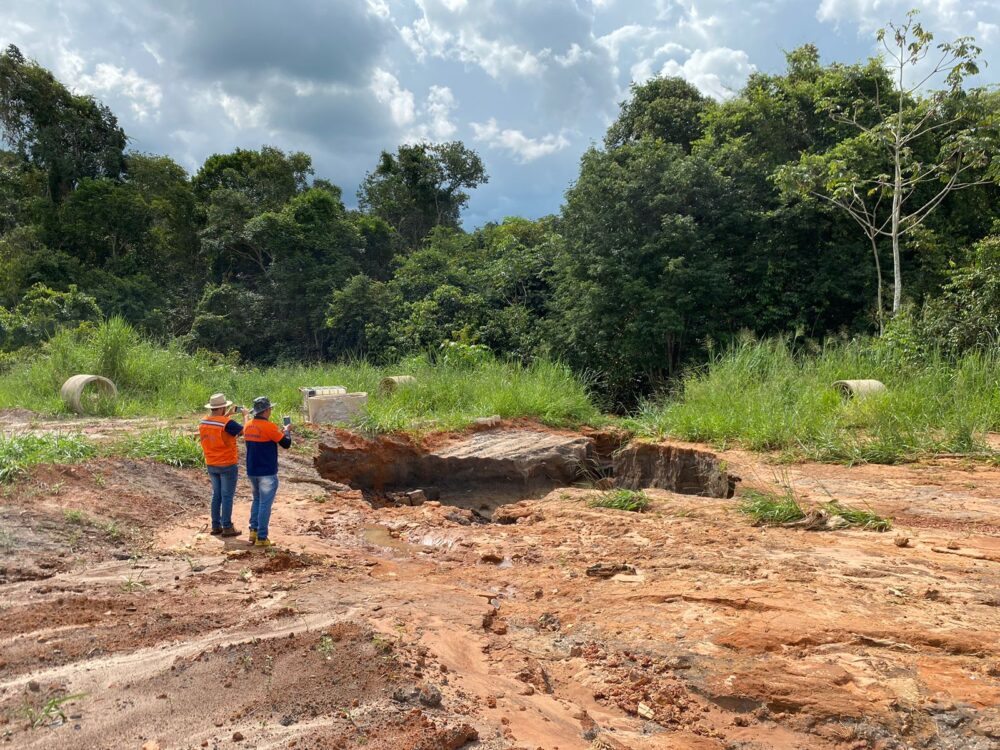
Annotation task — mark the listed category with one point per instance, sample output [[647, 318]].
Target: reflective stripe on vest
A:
[[219, 446]]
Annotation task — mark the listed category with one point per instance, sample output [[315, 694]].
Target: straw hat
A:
[[218, 401]]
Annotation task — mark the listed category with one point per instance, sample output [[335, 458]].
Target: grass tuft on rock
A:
[[773, 509], [630, 500], [863, 519], [770, 509]]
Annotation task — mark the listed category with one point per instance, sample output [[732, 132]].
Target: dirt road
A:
[[424, 627]]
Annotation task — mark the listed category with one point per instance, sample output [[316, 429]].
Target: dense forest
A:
[[693, 222]]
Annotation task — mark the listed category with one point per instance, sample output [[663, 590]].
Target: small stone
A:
[[644, 711], [491, 702], [430, 696], [237, 737], [33, 686], [901, 541]]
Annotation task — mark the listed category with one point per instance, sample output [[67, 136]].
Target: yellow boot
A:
[[253, 537], [263, 543]]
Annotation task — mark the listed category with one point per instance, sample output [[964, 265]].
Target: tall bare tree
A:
[[917, 143]]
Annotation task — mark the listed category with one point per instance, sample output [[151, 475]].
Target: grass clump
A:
[[50, 712], [767, 396], [629, 500], [20, 452], [863, 519], [773, 509], [770, 509], [165, 446]]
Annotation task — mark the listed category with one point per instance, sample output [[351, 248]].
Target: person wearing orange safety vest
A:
[[218, 433]]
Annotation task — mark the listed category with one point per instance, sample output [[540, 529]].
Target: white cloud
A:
[[448, 29], [646, 67], [144, 96], [436, 112], [516, 142], [719, 72], [950, 17], [378, 8], [240, 112], [624, 35], [497, 58], [388, 91]]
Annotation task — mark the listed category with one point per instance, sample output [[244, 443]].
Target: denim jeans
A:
[[264, 489], [223, 489]]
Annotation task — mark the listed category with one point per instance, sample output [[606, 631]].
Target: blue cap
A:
[[261, 404]]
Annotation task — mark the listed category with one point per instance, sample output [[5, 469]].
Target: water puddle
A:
[[380, 536]]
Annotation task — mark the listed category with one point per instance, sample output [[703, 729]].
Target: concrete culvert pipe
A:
[[859, 388], [81, 392], [390, 384]]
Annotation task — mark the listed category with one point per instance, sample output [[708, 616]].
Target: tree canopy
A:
[[692, 222]]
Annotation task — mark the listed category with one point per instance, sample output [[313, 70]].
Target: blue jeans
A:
[[264, 490], [223, 489]]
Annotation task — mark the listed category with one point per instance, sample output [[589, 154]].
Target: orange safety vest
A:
[[219, 446]]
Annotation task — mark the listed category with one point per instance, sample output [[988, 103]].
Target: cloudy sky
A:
[[529, 84]]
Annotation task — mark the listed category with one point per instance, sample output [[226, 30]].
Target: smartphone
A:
[[286, 421]]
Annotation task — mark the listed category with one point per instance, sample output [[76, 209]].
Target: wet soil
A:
[[417, 627]]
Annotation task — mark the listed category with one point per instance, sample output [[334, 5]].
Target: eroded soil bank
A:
[[410, 627], [518, 461]]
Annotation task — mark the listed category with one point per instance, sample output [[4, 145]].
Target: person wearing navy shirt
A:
[[262, 440]]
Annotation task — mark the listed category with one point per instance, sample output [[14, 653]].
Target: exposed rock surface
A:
[[518, 458], [672, 467]]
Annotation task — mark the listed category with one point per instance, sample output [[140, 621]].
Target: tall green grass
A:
[[167, 381], [763, 396], [20, 452]]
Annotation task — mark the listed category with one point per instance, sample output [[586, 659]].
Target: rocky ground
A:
[[124, 624]]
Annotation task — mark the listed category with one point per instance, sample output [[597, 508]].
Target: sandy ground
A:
[[425, 628]]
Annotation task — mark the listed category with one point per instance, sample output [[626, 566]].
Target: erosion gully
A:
[[460, 591]]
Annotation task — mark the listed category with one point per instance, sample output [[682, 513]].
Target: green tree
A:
[[916, 150], [645, 274], [967, 313], [360, 316], [42, 312], [668, 108], [421, 187], [69, 137]]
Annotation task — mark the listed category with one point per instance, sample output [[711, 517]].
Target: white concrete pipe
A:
[[859, 388], [390, 384], [75, 393]]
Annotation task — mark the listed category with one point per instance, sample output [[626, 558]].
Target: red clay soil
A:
[[415, 627]]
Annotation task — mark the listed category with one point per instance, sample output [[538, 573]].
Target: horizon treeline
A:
[[679, 233]]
